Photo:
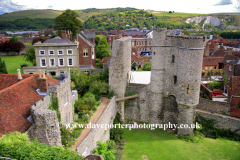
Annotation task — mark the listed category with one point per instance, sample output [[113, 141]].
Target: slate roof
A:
[[16, 98], [134, 33], [237, 45], [90, 36], [57, 41], [234, 62]]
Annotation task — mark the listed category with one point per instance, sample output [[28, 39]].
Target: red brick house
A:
[[17, 94], [210, 63], [86, 49], [232, 85]]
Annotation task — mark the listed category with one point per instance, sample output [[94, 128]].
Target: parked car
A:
[[216, 93]]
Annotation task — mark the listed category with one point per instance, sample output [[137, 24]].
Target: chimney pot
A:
[[42, 82], [19, 75], [40, 75]]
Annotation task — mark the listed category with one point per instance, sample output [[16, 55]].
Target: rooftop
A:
[[16, 98]]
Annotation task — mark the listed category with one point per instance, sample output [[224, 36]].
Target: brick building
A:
[[86, 49], [232, 85]]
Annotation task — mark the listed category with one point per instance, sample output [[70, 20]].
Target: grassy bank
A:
[[160, 144]]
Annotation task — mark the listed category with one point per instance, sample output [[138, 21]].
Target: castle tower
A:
[[176, 72], [119, 69]]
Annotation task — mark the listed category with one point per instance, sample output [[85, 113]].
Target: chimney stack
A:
[[221, 47], [63, 33], [207, 50], [42, 82], [19, 75], [215, 47], [229, 50]]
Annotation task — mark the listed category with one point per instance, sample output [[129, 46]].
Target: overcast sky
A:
[[187, 6]]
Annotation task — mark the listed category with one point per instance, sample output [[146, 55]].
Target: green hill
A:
[[33, 14]]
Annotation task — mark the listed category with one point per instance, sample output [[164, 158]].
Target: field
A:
[[50, 14], [13, 63], [162, 145], [30, 14]]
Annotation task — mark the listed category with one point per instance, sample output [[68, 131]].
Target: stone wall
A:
[[119, 69], [45, 127], [222, 121], [214, 106], [12, 53], [135, 87], [64, 94], [98, 134]]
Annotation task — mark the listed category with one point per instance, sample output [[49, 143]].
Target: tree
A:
[[101, 49], [3, 68], [68, 21], [214, 85], [30, 55], [14, 38], [18, 46]]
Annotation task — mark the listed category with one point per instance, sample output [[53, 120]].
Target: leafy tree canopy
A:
[[14, 38], [102, 46], [30, 55], [68, 21]]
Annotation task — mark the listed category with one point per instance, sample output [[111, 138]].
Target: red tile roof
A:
[[212, 61], [16, 99], [7, 80], [105, 60]]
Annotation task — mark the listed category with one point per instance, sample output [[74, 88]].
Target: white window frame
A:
[[69, 50], [211, 68], [85, 52], [137, 43], [50, 51], [41, 62], [206, 68], [140, 43], [60, 50], [132, 43], [143, 49], [68, 61], [59, 61], [40, 52], [109, 37], [50, 64], [150, 49]]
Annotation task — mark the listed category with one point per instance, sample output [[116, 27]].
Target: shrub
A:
[[129, 93], [214, 85], [110, 94], [17, 146], [106, 149], [24, 65], [147, 66]]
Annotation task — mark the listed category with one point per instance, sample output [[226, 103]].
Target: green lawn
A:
[[161, 145], [13, 63]]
